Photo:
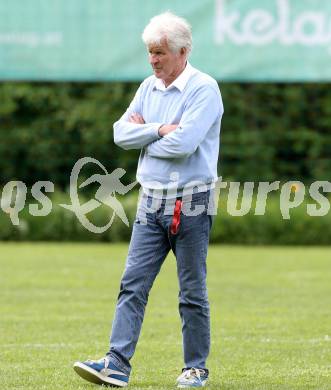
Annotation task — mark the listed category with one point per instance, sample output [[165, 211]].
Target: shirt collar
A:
[[180, 82]]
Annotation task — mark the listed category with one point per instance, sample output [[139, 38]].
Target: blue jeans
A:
[[151, 241]]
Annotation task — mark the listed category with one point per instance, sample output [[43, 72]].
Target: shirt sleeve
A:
[[129, 135], [201, 111]]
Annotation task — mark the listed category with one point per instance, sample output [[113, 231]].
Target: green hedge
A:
[[270, 229], [269, 131]]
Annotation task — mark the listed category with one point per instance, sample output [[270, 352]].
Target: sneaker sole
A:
[[203, 384], [94, 376]]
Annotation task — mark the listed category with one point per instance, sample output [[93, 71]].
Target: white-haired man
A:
[[175, 120]]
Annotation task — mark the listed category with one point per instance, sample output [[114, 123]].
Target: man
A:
[[175, 120]]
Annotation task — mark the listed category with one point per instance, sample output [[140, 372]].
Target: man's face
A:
[[166, 64]]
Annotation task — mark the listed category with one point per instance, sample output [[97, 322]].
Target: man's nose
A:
[[153, 60]]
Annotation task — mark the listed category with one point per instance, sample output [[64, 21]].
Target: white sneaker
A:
[[192, 377]]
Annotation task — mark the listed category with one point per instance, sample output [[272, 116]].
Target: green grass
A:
[[270, 307]]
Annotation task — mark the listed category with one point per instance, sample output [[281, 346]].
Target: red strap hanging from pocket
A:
[[176, 217]]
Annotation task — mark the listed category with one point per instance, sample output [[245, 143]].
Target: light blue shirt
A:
[[189, 153]]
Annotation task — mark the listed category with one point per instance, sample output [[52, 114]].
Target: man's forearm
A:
[[134, 133], [171, 146], [130, 135]]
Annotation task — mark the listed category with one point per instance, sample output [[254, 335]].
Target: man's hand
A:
[[163, 130], [136, 118], [166, 129]]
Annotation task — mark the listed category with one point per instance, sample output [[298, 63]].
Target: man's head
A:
[[169, 41]]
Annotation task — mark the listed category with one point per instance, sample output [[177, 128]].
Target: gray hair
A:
[[174, 29]]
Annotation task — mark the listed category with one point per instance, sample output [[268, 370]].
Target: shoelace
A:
[[192, 372], [105, 359]]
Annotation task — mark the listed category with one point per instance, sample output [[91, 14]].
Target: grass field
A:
[[270, 307]]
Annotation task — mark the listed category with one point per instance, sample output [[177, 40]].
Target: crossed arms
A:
[[170, 140], [163, 130]]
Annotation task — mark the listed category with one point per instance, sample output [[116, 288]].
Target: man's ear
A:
[[183, 51]]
